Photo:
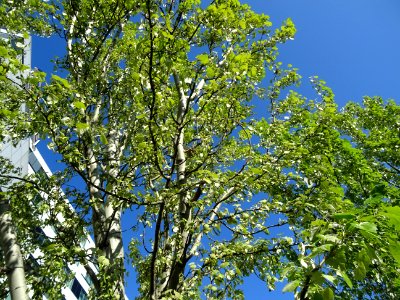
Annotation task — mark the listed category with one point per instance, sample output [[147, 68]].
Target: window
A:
[[40, 236], [31, 265], [88, 280], [82, 242], [37, 199], [35, 164], [78, 290]]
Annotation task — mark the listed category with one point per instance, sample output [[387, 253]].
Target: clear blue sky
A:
[[352, 44]]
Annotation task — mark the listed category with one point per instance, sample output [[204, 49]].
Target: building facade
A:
[[78, 288], [28, 160]]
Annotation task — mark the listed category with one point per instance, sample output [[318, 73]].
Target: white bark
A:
[[95, 198], [200, 235], [112, 208], [12, 254], [107, 211], [112, 234], [184, 217]]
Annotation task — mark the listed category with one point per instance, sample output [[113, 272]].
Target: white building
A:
[[27, 158], [79, 287]]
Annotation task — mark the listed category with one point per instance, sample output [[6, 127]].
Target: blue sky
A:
[[351, 44]]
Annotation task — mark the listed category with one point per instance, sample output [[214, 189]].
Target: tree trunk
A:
[[106, 220], [184, 215], [12, 254], [115, 250]]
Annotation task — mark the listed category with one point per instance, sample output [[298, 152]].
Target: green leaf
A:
[[103, 139], [345, 216], [394, 248], [317, 296], [3, 51], [330, 278], [63, 81], [210, 72], [51, 247], [291, 286], [207, 180], [256, 171], [103, 261], [317, 278], [345, 278], [79, 104], [224, 264], [328, 294], [367, 226], [203, 58], [231, 221], [363, 257], [329, 237], [167, 35], [393, 215], [142, 145], [373, 201], [338, 259], [360, 271], [253, 71], [82, 126]]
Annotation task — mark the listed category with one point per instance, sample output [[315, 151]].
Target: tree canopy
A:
[[178, 116]]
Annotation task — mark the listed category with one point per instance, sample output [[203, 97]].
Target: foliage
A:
[[156, 116]]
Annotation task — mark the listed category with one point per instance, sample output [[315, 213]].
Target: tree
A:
[[156, 115], [13, 260], [11, 68]]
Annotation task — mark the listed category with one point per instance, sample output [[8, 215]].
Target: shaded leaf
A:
[[291, 286]]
